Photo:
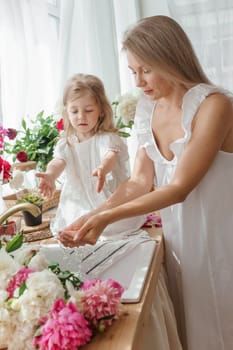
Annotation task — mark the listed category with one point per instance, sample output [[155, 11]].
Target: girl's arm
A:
[[47, 179], [104, 168]]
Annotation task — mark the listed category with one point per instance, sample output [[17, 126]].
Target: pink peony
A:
[[101, 302], [153, 219], [64, 329], [20, 277], [89, 283]]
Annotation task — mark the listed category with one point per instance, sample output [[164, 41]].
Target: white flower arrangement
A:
[[39, 303], [124, 111]]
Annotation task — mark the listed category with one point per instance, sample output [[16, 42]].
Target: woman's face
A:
[[148, 78], [83, 114]]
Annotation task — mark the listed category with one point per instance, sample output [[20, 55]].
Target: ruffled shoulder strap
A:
[[191, 102], [142, 121], [194, 97]]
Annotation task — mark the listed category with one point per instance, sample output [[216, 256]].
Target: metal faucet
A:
[[31, 208]]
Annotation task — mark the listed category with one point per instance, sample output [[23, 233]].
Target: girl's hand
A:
[[99, 172], [47, 184]]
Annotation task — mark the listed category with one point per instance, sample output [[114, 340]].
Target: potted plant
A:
[[34, 198]]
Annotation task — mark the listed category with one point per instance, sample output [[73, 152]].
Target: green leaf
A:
[[22, 288], [15, 243], [123, 134]]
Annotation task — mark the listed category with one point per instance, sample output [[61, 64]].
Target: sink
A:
[[129, 269]]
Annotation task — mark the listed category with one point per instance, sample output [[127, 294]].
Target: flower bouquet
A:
[[42, 307], [124, 108], [35, 140]]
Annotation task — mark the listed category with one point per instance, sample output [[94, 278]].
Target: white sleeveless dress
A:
[[198, 233], [79, 194]]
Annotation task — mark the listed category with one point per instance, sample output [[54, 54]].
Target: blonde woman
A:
[[186, 142], [90, 153]]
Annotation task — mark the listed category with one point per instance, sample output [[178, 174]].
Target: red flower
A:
[[6, 167], [21, 156], [11, 133], [60, 125]]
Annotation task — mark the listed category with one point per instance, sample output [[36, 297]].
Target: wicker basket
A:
[[48, 203]]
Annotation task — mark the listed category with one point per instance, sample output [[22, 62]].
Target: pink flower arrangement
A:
[[50, 309]]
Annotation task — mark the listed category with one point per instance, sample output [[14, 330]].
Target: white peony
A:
[[8, 267], [127, 106]]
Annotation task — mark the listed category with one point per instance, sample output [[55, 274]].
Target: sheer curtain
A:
[[27, 56], [86, 42], [89, 42], [209, 24]]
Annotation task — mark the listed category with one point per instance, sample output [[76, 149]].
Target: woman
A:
[[187, 145]]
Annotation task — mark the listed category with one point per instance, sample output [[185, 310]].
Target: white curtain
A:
[[209, 25], [86, 42], [89, 42], [27, 56]]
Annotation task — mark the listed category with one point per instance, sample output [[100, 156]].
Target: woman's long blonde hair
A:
[[79, 85], [160, 41]]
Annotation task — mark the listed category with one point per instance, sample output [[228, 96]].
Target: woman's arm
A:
[[138, 184], [212, 131]]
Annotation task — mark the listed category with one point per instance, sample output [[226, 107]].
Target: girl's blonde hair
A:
[[160, 41], [79, 85]]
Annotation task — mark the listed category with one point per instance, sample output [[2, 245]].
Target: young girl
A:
[[91, 153]]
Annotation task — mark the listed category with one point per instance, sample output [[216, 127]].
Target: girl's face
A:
[[148, 78], [83, 114]]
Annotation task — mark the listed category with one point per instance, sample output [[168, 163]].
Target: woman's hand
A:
[[47, 184], [85, 230]]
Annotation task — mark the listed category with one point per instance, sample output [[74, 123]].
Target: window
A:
[[209, 25]]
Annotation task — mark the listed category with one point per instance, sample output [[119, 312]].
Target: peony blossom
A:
[[65, 328], [102, 301], [153, 219], [127, 106]]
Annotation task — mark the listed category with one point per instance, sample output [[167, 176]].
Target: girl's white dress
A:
[[198, 233], [79, 191]]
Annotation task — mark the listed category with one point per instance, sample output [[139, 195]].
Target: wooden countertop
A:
[[127, 332]]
